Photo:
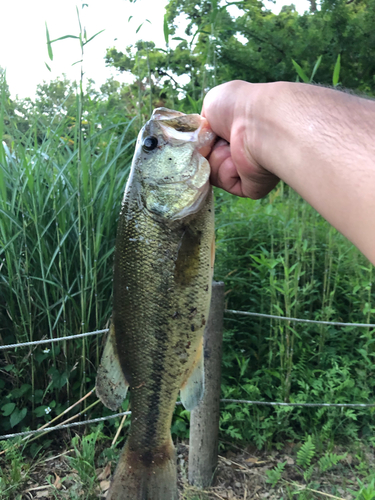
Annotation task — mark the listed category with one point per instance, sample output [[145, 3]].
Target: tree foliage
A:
[[257, 45]]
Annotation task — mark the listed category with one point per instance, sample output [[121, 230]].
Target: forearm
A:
[[322, 143]]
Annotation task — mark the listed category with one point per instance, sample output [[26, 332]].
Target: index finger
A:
[[219, 107]]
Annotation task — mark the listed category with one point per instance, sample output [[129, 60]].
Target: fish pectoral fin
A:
[[192, 389], [111, 385]]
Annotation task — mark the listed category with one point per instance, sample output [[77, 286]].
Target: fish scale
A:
[[155, 313], [161, 295]]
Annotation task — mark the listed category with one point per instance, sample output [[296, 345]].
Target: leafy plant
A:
[[366, 492], [83, 461], [14, 470], [274, 475], [329, 460], [304, 457]]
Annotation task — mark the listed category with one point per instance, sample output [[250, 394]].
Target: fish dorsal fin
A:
[[193, 387], [111, 385]]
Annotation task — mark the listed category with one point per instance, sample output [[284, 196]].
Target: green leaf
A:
[[77, 62], [130, 17], [166, 30], [178, 38], [40, 411], [306, 453], [17, 416], [35, 449], [93, 36], [58, 379], [64, 37], [49, 47], [317, 64], [213, 10], [10, 216], [274, 475], [9, 368], [49, 69], [139, 27], [18, 393], [8, 408], [336, 71], [79, 20], [300, 72]]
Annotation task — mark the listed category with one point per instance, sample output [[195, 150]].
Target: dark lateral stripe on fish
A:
[[150, 413]]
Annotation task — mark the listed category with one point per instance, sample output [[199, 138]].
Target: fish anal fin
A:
[[111, 385], [192, 388]]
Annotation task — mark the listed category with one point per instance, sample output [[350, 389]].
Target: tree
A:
[[256, 46]]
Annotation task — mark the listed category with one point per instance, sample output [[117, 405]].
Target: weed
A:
[[274, 475], [14, 470]]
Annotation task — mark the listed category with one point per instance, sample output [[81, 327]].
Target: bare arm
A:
[[319, 141]]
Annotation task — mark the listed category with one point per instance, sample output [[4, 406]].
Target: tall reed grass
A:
[[59, 205]]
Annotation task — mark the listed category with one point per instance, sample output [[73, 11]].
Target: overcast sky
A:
[[23, 50]]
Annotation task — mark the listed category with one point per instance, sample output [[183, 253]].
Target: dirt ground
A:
[[241, 475]]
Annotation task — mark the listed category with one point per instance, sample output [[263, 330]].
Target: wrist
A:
[[269, 118]]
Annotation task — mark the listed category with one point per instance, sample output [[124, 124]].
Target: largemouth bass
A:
[[161, 295]]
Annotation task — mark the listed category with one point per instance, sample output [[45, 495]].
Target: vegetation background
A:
[[64, 161]]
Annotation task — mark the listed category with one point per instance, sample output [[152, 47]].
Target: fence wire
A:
[[65, 426], [300, 320], [230, 311], [244, 401], [57, 339]]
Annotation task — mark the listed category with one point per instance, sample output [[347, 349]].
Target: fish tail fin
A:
[[149, 475]]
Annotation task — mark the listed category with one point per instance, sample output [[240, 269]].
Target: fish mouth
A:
[[177, 120], [178, 126]]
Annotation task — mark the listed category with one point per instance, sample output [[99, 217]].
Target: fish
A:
[[163, 268]]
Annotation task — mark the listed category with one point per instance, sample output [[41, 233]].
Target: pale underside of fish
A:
[[161, 295]]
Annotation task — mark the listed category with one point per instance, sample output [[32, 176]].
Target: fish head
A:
[[173, 175]]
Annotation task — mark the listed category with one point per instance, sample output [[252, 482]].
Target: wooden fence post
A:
[[204, 419]]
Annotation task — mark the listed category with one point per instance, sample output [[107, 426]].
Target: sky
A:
[[23, 48]]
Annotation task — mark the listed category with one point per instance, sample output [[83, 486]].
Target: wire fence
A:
[[57, 339], [238, 401], [230, 311], [244, 401], [300, 320]]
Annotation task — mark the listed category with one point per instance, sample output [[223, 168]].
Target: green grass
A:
[[57, 231]]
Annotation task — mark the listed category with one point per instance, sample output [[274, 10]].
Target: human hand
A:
[[231, 112]]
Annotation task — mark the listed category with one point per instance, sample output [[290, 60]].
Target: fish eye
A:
[[150, 143]]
